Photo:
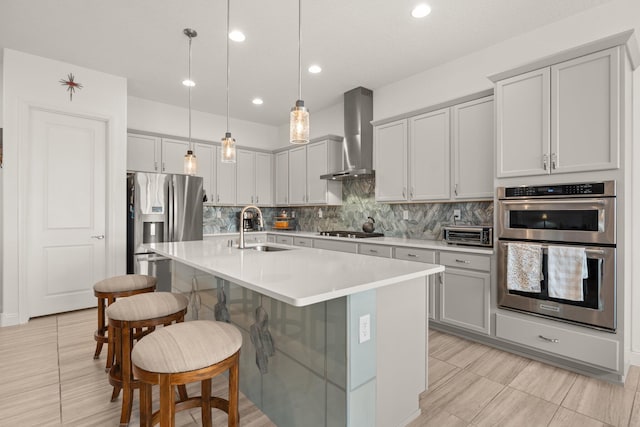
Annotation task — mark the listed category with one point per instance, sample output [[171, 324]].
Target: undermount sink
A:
[[265, 248]]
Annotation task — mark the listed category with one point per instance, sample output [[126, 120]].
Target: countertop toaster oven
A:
[[473, 235]]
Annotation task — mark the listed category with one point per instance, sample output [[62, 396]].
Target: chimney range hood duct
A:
[[357, 146]]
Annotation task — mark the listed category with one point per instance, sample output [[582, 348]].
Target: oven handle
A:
[[547, 201], [587, 250]]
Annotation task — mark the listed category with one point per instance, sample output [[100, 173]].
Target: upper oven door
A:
[[580, 220]]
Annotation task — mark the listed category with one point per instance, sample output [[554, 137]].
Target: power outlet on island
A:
[[364, 333], [456, 214]]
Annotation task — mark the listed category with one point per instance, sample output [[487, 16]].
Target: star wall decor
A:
[[71, 85]]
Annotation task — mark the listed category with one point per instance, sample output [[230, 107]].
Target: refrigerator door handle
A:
[[171, 224]]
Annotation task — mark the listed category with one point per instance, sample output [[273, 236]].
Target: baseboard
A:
[[9, 319]]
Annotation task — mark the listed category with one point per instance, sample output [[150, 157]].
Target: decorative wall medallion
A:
[[71, 85]]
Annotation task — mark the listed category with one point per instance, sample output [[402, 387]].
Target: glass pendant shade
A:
[[299, 124], [228, 149], [190, 163]]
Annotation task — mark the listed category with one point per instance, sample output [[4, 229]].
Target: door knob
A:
[[100, 237]]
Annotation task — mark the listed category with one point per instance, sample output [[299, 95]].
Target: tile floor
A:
[[474, 385], [49, 378]]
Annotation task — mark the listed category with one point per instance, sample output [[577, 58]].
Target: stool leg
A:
[[167, 402], [234, 379], [145, 405], [206, 402], [182, 392], [101, 328], [127, 376], [115, 343], [110, 349]]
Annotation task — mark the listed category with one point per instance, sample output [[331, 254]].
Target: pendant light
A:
[[228, 143], [190, 161], [299, 117]]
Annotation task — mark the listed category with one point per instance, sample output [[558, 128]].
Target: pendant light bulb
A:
[[299, 116], [228, 154], [190, 161]]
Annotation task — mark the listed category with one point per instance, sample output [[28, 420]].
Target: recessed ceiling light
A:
[[315, 69], [237, 36], [421, 10], [257, 101], [188, 83]]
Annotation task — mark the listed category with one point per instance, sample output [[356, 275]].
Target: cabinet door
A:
[[472, 140], [245, 177], [317, 159], [282, 178], [225, 180], [298, 176], [173, 152], [429, 152], [264, 179], [206, 156], [143, 153], [522, 124], [464, 299], [390, 151], [585, 102]]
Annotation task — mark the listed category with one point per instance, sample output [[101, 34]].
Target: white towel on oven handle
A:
[[524, 267], [566, 268]]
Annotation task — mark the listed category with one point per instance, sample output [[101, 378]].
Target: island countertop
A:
[[297, 276]]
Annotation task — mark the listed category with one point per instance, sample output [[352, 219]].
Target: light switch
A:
[[405, 214], [365, 328]]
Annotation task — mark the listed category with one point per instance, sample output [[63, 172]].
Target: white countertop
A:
[[299, 276]]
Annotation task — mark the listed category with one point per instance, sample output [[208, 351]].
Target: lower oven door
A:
[[599, 306]]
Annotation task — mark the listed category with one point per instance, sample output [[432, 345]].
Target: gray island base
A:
[[358, 359]]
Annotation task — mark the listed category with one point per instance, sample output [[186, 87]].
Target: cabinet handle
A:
[[441, 278], [217, 198], [463, 261], [553, 161], [412, 255], [252, 199], [411, 192], [256, 199], [155, 166], [373, 251], [404, 192], [163, 167], [545, 158], [552, 340], [455, 189]]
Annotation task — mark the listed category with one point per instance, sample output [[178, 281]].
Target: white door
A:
[[282, 178], [298, 176], [317, 159], [429, 156], [173, 152], [390, 150], [65, 219], [264, 179], [225, 180], [245, 177]]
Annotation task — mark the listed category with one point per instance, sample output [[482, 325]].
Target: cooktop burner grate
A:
[[350, 234]]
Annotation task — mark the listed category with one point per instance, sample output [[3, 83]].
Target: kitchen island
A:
[[328, 338]]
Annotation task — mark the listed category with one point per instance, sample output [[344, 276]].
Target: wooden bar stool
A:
[[107, 291], [182, 353], [138, 312]]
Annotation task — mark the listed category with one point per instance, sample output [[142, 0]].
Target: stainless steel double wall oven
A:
[[568, 214]]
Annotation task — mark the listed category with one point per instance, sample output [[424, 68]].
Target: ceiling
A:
[[367, 43]]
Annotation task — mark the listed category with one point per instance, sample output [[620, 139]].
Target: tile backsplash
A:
[[358, 202]]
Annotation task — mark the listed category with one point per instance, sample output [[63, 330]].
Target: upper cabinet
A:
[[143, 153], [472, 149], [282, 178], [225, 180], [561, 118], [206, 156], [253, 178], [306, 164], [444, 154], [173, 152]]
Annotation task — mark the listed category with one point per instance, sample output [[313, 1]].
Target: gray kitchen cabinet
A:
[[391, 162], [173, 152], [253, 178], [306, 164], [562, 118], [282, 178], [206, 157], [472, 126], [298, 176], [225, 180], [333, 245], [429, 160], [382, 251], [465, 290], [303, 241], [143, 153], [427, 256], [284, 240]]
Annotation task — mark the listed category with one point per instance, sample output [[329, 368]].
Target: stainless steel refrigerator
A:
[[160, 208]]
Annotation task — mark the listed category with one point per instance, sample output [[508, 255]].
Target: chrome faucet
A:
[[241, 244]]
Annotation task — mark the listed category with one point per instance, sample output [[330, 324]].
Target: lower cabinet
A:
[[465, 291], [422, 255]]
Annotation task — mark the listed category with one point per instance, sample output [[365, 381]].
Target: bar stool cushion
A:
[[187, 346], [147, 306], [128, 282]]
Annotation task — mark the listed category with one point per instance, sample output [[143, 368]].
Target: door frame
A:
[[113, 192]]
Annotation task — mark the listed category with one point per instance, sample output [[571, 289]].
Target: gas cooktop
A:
[[350, 234]]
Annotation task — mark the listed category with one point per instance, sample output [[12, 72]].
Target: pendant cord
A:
[[190, 147], [300, 49], [228, 13]]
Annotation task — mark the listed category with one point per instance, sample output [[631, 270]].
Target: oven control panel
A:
[[606, 188]]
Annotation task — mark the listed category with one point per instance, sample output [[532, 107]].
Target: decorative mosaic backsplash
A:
[[358, 202]]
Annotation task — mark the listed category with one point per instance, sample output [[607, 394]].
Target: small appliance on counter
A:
[[284, 221], [473, 235], [250, 221]]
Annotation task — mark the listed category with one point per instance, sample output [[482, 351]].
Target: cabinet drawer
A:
[[332, 245], [419, 255], [375, 250], [284, 240], [576, 345], [462, 260], [302, 241]]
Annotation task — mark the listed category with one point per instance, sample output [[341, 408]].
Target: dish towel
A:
[[567, 268], [524, 267]]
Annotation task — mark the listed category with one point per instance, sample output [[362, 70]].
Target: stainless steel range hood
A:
[[357, 146]]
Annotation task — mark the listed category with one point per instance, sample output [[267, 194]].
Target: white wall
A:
[[1, 170], [152, 116], [33, 81]]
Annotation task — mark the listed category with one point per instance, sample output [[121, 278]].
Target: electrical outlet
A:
[[293, 214], [218, 214], [320, 213], [456, 214], [365, 328], [405, 215]]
